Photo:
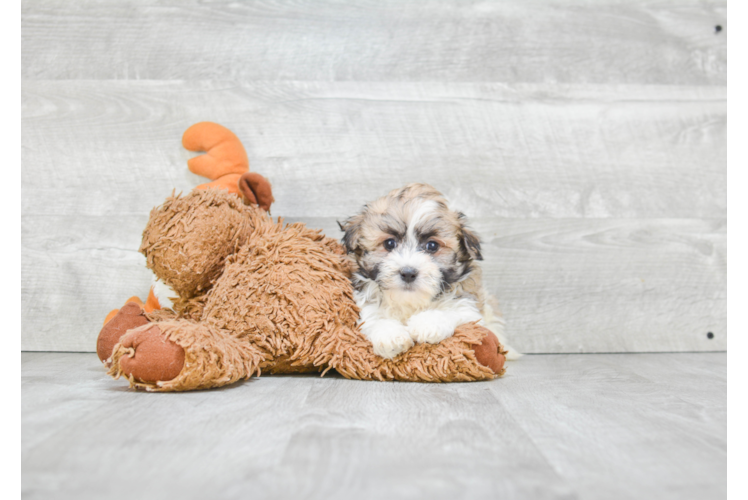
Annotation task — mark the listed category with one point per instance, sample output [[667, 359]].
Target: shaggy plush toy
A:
[[257, 296]]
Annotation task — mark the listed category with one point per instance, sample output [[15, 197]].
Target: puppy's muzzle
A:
[[408, 274]]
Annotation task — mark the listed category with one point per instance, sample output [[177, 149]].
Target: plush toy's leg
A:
[[126, 318], [490, 352], [180, 355], [152, 356], [130, 316]]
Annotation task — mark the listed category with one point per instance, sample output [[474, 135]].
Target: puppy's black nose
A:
[[408, 274]]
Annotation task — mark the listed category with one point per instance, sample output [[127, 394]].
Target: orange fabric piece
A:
[[225, 163], [111, 314], [224, 153], [114, 312], [151, 303], [228, 181]]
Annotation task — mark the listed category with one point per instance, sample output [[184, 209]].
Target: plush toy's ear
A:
[[352, 229], [469, 241], [256, 190]]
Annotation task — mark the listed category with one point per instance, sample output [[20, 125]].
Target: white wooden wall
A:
[[586, 140]]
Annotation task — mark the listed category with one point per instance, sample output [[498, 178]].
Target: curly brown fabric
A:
[[281, 293], [188, 238], [451, 360]]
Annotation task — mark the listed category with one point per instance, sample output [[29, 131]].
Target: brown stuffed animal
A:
[[256, 296]]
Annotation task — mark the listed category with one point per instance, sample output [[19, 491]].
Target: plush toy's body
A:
[[257, 296]]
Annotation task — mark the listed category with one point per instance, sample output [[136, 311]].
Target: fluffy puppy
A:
[[415, 271]]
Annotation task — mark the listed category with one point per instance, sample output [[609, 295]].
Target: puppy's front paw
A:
[[389, 339], [430, 327]]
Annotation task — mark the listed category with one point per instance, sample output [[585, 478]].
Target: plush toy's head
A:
[[188, 238]]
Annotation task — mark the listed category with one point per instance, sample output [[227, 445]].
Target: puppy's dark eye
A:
[[390, 244], [432, 247]]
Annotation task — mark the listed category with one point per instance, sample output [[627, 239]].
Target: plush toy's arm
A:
[[472, 353]]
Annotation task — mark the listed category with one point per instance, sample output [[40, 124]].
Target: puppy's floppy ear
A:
[[352, 229], [469, 241]]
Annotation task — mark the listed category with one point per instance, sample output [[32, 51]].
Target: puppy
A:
[[415, 271]]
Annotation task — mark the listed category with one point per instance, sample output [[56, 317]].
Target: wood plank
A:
[[565, 285], [566, 426], [737, 202], [671, 42], [626, 426], [630, 286], [737, 422], [94, 148], [734, 22], [383, 440], [126, 432], [74, 270]]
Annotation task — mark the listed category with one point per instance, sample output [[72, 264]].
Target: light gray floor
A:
[[556, 426]]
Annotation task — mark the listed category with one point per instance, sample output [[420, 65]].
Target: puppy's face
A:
[[411, 244]]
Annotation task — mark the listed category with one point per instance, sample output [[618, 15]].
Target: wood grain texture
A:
[[565, 285], [626, 426], [74, 270], [737, 199], [587, 140], [671, 42], [737, 423], [98, 148], [555, 427], [733, 16]]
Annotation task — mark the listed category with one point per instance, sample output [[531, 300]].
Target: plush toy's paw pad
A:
[[130, 316], [152, 356], [430, 327], [490, 353], [389, 344], [256, 190]]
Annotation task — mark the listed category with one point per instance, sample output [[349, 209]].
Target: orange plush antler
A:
[[225, 159], [225, 163]]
